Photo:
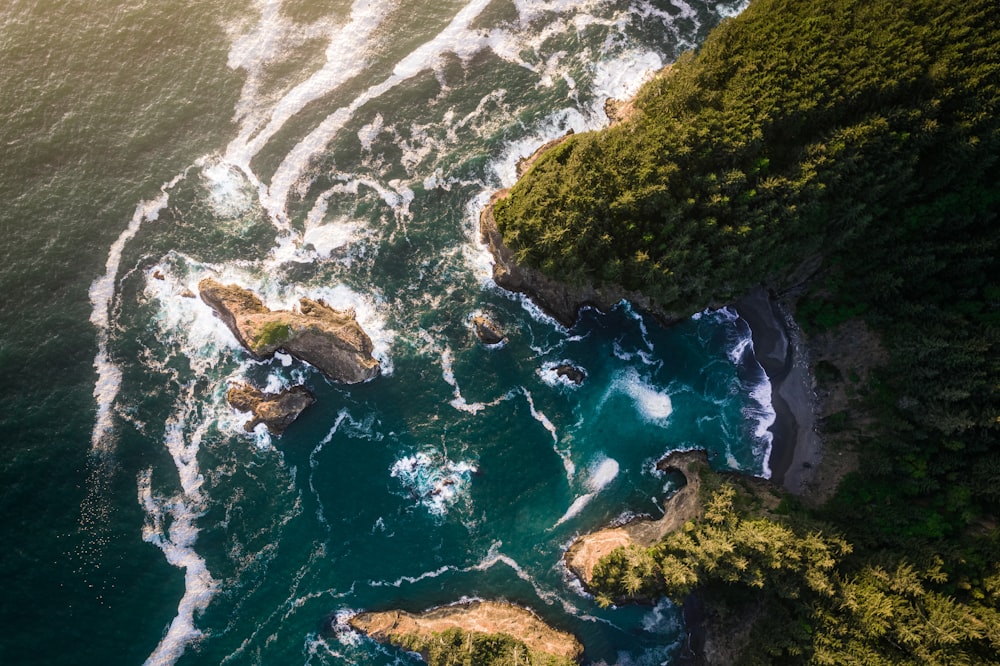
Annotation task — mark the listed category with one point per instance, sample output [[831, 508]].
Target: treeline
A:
[[815, 603], [799, 127], [867, 135]]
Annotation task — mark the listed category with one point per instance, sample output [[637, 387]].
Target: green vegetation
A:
[[867, 135], [455, 647], [800, 127], [820, 605], [272, 334]]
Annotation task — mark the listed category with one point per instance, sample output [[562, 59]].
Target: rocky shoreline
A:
[[560, 300]]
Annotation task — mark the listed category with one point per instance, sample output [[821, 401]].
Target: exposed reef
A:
[[476, 617], [275, 410], [330, 340]]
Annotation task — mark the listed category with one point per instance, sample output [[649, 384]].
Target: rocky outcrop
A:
[[487, 330], [330, 340], [487, 617], [275, 410], [682, 506]]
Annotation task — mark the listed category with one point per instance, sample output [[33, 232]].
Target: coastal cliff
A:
[[330, 340], [560, 299]]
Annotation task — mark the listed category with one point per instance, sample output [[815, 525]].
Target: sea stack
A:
[[330, 340], [275, 410]]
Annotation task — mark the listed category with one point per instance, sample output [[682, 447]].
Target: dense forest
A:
[[862, 137]]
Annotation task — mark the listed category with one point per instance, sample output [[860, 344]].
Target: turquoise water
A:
[[340, 151]]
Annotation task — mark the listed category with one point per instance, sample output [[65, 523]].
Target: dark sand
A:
[[795, 449]]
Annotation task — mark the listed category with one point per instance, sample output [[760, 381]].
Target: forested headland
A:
[[861, 140]]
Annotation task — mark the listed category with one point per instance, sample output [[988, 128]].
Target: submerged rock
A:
[[330, 340], [275, 410], [476, 617], [488, 331]]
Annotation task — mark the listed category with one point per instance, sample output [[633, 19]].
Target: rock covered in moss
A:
[[330, 340], [487, 629]]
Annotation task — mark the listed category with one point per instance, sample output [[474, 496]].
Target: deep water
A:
[[337, 151]]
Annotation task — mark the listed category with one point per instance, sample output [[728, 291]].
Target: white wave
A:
[[101, 293], [600, 473], [347, 52], [495, 557], [663, 618], [368, 133], [229, 192], [765, 416], [185, 321], [550, 376], [621, 77], [176, 537], [552, 127], [459, 402], [652, 403], [413, 579], [455, 38], [433, 480], [539, 416], [575, 508]]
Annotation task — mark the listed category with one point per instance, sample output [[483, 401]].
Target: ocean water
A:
[[341, 151]]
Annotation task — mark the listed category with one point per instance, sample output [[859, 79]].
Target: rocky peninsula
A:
[[476, 618], [682, 506], [330, 340]]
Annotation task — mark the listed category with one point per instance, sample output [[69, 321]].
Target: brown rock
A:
[[275, 410], [487, 330], [329, 339]]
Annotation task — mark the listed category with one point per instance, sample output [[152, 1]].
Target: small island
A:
[[330, 340], [492, 632]]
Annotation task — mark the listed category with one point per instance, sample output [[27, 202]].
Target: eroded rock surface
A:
[[330, 340], [275, 410]]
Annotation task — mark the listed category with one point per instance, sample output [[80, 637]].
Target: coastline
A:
[[796, 449]]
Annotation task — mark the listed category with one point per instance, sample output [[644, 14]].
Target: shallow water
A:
[[337, 151]]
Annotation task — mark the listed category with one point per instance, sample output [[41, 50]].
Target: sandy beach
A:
[[796, 448]]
